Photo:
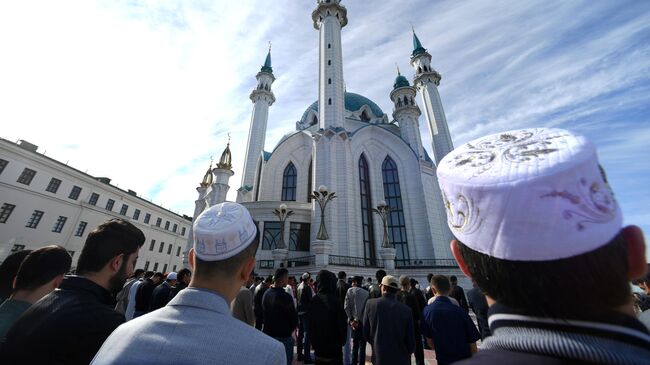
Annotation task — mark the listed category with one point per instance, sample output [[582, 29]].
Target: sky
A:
[[145, 92]]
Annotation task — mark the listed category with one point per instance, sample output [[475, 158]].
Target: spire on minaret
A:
[[225, 162], [267, 63], [417, 45], [207, 178]]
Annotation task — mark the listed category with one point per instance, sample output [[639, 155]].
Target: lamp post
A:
[[282, 213], [322, 196], [383, 210]]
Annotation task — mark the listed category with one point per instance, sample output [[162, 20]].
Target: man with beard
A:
[[160, 295], [70, 324], [144, 294]]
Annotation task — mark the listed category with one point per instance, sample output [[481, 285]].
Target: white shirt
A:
[[130, 307], [433, 299]]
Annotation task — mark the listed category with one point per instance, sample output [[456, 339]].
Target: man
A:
[[539, 230], [130, 306], [183, 279], [476, 300], [305, 295], [39, 274], [69, 325], [388, 326], [375, 289], [428, 293], [355, 301], [405, 297], [8, 270], [341, 290], [447, 327], [123, 296], [144, 295], [280, 316], [196, 327], [160, 295], [368, 283], [242, 306], [327, 315], [257, 302], [458, 293]]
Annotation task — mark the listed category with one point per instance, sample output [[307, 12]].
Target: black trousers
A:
[[419, 349], [358, 346]]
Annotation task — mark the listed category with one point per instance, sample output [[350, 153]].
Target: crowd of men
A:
[[538, 231]]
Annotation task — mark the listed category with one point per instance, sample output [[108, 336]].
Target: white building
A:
[[44, 201], [345, 142]]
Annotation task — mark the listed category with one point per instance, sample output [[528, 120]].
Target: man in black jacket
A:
[[257, 302], [329, 320], [305, 295], [143, 296], [404, 296], [69, 325], [458, 293], [280, 316], [388, 326], [160, 296], [184, 277]]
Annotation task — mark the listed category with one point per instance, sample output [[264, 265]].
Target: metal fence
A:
[[301, 261], [354, 261], [416, 263]]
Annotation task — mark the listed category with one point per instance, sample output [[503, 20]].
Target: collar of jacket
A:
[[81, 284], [201, 298], [615, 339]]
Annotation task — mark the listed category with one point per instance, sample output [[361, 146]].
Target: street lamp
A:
[[383, 210], [322, 196], [282, 213]]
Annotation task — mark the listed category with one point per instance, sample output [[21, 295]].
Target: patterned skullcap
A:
[[222, 231], [529, 195]]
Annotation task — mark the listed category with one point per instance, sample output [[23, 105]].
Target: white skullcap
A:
[[171, 276], [528, 195], [222, 231]]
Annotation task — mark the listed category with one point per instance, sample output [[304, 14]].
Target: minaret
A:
[[199, 206], [329, 17], [406, 113], [427, 81], [262, 98], [222, 174]]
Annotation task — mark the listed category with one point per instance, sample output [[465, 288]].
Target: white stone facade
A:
[[330, 138], [165, 239]]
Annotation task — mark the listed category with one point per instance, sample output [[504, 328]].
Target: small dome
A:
[[207, 178], [400, 81], [353, 102], [225, 162]]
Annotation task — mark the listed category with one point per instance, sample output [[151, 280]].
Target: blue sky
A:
[[145, 91]]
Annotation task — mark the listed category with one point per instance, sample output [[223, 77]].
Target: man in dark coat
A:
[[458, 293], [160, 295], [143, 296], [69, 325], [388, 326], [375, 289], [279, 311], [329, 318], [478, 303], [305, 295], [404, 296], [257, 302], [183, 277]]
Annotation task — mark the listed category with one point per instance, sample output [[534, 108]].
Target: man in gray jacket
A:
[[196, 327]]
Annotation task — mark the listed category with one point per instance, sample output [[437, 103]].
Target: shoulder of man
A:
[[504, 357]]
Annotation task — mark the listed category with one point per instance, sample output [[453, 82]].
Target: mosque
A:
[[344, 143]]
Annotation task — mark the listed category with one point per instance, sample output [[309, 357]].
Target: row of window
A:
[[152, 245], [155, 267], [27, 176], [298, 236], [17, 248], [36, 217]]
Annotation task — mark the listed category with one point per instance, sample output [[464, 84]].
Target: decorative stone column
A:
[[388, 255], [322, 251]]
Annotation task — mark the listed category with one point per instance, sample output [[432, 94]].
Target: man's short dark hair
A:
[[41, 266], [380, 275], [148, 274], [112, 238], [341, 275], [227, 267], [441, 284], [183, 273], [358, 280], [453, 279], [280, 274], [413, 282], [8, 270], [269, 279], [138, 272], [578, 287], [158, 275], [429, 276]]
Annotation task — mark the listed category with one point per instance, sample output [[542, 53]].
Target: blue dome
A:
[[353, 102], [400, 81]]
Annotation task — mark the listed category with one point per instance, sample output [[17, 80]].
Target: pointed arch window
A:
[[309, 183], [366, 212], [393, 197], [289, 183], [364, 117]]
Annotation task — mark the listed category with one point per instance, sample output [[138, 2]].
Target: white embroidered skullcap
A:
[[528, 195], [222, 231]]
